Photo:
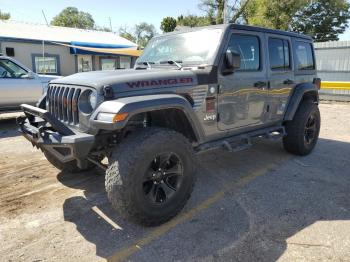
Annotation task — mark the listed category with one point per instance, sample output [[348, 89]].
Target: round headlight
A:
[[93, 99]]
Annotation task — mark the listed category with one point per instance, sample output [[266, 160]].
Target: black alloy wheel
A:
[[310, 130], [163, 177]]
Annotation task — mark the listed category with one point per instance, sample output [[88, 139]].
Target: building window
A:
[[46, 64], [10, 51], [249, 48], [84, 63], [108, 63], [125, 62]]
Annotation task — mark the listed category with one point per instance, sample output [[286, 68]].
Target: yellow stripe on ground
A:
[[126, 252], [335, 85]]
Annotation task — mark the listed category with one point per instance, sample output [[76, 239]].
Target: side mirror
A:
[[29, 75], [232, 62]]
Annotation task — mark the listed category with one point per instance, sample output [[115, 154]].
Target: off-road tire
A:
[[70, 167], [128, 165], [294, 142]]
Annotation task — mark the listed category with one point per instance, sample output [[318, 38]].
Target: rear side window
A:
[[249, 48], [304, 56], [279, 54]]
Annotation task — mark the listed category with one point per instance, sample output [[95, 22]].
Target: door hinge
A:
[[219, 89]]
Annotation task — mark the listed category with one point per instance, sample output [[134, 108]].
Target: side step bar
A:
[[240, 142]]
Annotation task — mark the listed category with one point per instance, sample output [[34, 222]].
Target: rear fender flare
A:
[[297, 96]]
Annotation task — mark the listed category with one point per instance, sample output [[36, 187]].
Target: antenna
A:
[[45, 17]]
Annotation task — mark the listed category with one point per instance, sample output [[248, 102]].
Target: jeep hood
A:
[[130, 79]]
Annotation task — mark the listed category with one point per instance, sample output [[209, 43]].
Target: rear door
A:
[[281, 74], [15, 86], [242, 95]]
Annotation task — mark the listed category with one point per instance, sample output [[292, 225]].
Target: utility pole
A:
[[43, 50], [225, 14], [43, 44], [110, 24]]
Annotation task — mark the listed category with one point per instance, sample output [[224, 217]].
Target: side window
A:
[[249, 48], [279, 54], [8, 69], [3, 72], [304, 56]]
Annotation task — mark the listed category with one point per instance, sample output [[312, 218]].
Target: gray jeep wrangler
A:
[[190, 92]]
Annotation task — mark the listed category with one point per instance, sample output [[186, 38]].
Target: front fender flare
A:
[[297, 96], [142, 104]]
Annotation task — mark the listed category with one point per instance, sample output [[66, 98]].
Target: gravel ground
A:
[[261, 204]]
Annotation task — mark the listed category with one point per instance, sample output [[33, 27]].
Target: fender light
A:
[[111, 117], [317, 83]]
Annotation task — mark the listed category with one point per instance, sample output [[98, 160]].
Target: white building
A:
[[57, 50], [333, 60]]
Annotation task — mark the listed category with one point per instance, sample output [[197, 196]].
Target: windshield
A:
[[196, 47]]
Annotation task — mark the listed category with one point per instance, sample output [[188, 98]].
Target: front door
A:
[[243, 95]]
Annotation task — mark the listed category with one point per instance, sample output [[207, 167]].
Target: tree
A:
[[103, 28], [4, 16], [214, 10], [324, 20], [124, 31], [168, 24], [193, 20], [143, 32], [277, 14], [72, 17]]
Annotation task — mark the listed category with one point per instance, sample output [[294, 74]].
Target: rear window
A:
[[304, 56], [279, 54]]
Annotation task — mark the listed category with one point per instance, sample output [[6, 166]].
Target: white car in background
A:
[[19, 85]]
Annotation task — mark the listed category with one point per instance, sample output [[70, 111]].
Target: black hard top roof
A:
[[268, 30], [244, 27]]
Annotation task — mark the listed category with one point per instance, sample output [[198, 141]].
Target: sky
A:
[[122, 12]]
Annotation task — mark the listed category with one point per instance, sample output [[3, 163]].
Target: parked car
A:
[[19, 85], [190, 92]]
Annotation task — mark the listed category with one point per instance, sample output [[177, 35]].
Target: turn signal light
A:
[[111, 117], [120, 117]]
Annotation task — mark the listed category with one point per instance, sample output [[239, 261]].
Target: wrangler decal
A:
[[160, 82]]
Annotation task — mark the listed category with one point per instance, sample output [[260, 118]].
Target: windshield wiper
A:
[[146, 63], [172, 62]]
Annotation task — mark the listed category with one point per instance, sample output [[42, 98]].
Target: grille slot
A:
[[63, 103]]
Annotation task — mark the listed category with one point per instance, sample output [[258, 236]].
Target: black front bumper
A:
[[44, 131]]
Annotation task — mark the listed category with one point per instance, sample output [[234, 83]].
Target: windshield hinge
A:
[[108, 92]]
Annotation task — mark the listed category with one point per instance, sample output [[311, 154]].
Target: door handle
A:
[[260, 84], [288, 82]]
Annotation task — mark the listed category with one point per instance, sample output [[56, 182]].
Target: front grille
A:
[[62, 102]]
